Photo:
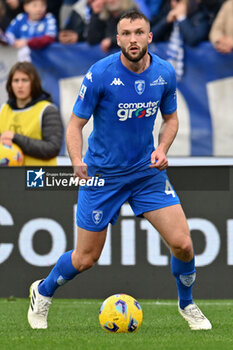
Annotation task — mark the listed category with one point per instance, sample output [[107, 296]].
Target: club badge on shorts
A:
[[97, 216], [140, 86]]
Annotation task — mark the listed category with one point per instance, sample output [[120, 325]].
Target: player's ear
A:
[[150, 37], [118, 40]]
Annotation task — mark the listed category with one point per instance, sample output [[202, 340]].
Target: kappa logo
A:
[[159, 81], [89, 76], [140, 86], [97, 216], [117, 81]]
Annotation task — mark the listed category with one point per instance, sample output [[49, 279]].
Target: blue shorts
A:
[[144, 190]]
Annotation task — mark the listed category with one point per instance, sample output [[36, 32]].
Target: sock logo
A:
[[61, 281], [188, 280]]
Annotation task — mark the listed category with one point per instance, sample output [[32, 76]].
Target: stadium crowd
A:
[[94, 21]]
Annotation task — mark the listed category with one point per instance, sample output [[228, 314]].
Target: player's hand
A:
[[224, 45], [106, 44], [7, 137], [80, 171], [158, 159], [68, 37], [171, 17], [20, 43]]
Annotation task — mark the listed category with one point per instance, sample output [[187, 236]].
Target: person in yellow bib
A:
[[29, 119]]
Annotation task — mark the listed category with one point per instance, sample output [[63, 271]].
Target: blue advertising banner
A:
[[205, 91]]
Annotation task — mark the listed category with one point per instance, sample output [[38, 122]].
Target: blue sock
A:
[[62, 272], [185, 275]]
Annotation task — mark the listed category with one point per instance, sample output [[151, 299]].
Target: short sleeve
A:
[[169, 99], [89, 94], [51, 26], [13, 30]]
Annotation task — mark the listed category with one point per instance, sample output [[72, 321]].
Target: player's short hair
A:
[[30, 70], [25, 2], [132, 15]]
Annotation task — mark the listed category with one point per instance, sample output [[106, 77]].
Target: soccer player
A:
[[124, 92]]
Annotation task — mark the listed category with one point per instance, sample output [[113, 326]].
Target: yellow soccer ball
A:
[[120, 313], [11, 155]]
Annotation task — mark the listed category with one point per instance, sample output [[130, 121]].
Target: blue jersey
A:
[[124, 106], [22, 28]]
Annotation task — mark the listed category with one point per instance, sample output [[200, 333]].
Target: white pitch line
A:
[[156, 303], [164, 303]]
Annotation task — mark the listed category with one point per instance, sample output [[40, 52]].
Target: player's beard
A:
[[140, 55]]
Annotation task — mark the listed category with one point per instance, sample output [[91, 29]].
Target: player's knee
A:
[[186, 245], [83, 262], [86, 263], [184, 249]]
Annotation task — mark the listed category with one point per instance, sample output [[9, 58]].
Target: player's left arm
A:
[[167, 135], [169, 128]]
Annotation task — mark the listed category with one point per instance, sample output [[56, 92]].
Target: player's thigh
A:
[[152, 192], [97, 207], [172, 225]]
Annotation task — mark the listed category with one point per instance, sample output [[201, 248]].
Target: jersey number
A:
[[169, 189]]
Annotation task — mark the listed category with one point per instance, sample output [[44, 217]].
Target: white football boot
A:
[[38, 308], [195, 318]]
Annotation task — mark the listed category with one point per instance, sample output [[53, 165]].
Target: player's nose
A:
[[133, 38]]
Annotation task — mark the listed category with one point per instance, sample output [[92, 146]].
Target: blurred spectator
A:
[[54, 8], [74, 29], [65, 10], [150, 8], [221, 34], [2, 16], [191, 19], [69, 2], [103, 25], [183, 22], [212, 7], [96, 27], [9, 9], [29, 119], [33, 29]]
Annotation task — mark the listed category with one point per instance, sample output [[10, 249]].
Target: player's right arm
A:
[[74, 141], [83, 109]]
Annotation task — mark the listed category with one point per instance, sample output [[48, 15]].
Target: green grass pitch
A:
[[74, 324]]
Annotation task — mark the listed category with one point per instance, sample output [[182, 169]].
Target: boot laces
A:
[[196, 313], [43, 307]]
